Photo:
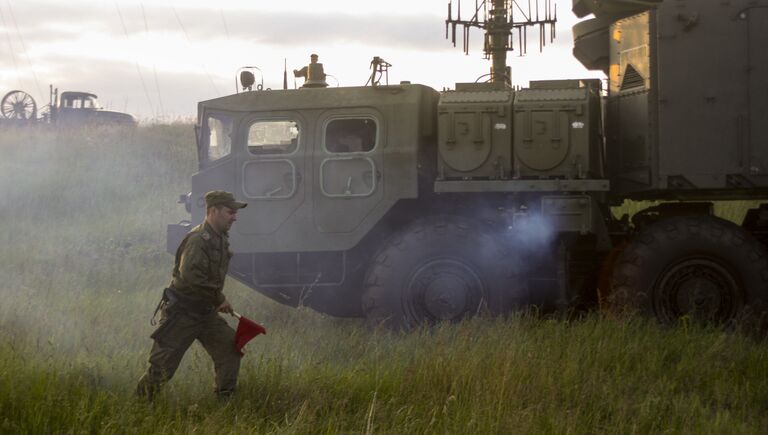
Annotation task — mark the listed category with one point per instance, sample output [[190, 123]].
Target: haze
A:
[[157, 59]]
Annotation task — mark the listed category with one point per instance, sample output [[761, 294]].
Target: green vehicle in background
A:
[[73, 109], [409, 206]]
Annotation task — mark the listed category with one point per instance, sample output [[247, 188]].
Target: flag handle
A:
[[236, 314]]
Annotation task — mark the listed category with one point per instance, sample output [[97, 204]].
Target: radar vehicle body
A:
[[409, 206]]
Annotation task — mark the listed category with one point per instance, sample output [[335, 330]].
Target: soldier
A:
[[304, 72], [313, 74], [190, 304]]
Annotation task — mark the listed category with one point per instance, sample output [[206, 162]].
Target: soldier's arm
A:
[[300, 72], [225, 307]]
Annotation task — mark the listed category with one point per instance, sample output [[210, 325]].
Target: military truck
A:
[[411, 206], [71, 109], [82, 108]]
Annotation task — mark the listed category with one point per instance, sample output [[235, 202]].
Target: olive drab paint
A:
[[340, 179]]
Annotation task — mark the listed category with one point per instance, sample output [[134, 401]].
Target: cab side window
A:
[[219, 130], [350, 135], [273, 137]]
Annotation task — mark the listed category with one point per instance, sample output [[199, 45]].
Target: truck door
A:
[[348, 167], [758, 90], [271, 171]]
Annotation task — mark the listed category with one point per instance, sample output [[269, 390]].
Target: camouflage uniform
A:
[[189, 313]]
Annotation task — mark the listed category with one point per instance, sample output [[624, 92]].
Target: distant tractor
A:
[[411, 206], [71, 109]]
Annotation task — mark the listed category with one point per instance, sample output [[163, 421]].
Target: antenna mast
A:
[[502, 19]]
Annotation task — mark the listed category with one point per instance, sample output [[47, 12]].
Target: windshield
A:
[[89, 103], [216, 136], [79, 102], [273, 137]]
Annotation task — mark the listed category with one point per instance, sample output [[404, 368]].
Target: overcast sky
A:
[[157, 58]]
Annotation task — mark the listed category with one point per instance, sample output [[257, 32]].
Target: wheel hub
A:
[[698, 287], [443, 289]]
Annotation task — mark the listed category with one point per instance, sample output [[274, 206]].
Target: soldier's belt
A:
[[177, 302]]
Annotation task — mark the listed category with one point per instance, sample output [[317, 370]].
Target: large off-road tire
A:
[[438, 269], [605, 276], [700, 267]]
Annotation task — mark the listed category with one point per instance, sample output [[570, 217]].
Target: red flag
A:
[[246, 330]]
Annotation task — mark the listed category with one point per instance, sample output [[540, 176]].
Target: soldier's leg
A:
[[172, 339], [218, 339]]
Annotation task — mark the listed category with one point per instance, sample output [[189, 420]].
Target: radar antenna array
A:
[[502, 20]]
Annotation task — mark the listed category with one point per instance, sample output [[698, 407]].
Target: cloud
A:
[[61, 21], [274, 28], [194, 51]]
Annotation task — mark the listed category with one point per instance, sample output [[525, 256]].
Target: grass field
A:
[[82, 263]]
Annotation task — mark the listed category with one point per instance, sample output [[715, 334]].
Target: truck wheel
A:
[[700, 267], [438, 269], [605, 275]]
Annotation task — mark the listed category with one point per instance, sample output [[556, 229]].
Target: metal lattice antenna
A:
[[502, 19]]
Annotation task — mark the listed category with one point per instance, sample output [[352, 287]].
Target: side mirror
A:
[[198, 143]]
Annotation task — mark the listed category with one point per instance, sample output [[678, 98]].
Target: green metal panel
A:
[[630, 55], [629, 108], [270, 179], [467, 142], [568, 213], [690, 121], [590, 42], [758, 90], [474, 132], [544, 139], [554, 185], [315, 199], [220, 175], [347, 187], [703, 106], [348, 177], [273, 182], [556, 130]]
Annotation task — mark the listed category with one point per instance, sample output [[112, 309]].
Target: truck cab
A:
[[76, 109], [320, 168]]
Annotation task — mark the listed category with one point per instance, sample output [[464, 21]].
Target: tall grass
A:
[[82, 263]]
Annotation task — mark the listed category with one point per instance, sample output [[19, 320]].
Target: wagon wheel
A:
[[18, 105]]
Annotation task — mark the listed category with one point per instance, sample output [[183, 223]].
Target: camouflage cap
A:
[[221, 197]]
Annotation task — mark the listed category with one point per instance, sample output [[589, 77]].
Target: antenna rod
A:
[[497, 32], [285, 73]]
